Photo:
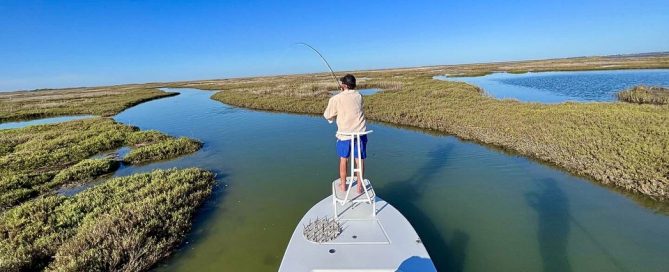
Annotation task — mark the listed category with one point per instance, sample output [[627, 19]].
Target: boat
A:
[[351, 231]]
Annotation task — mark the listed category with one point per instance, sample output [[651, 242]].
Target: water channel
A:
[[475, 207]]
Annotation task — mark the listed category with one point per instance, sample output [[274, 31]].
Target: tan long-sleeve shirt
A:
[[346, 107]]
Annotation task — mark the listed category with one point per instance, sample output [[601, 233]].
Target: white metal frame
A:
[[355, 136]]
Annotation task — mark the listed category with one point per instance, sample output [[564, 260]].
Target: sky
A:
[[53, 44]]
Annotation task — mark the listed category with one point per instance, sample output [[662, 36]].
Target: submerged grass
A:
[[37, 159], [105, 101], [619, 144], [645, 95], [125, 224]]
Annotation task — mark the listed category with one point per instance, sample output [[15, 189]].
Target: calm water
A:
[[43, 121], [555, 87], [363, 92], [475, 208], [366, 92]]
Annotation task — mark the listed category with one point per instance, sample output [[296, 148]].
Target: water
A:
[[363, 92], [556, 87], [118, 154], [475, 208], [366, 92], [52, 120]]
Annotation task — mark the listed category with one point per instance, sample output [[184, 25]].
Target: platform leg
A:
[[334, 206], [374, 208]]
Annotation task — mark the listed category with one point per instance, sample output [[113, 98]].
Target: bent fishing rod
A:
[[334, 77]]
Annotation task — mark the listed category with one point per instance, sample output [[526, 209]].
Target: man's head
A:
[[347, 82]]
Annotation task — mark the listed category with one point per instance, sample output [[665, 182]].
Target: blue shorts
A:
[[344, 148]]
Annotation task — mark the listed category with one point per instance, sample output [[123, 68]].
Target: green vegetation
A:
[[125, 224], [85, 171], [145, 137], [619, 144], [131, 223], [104, 101], [645, 95], [32, 156], [169, 148], [566, 64], [37, 159]]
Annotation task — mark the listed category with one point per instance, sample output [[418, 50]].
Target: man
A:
[[346, 107]]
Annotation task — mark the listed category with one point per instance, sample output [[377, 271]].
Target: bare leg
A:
[[342, 173], [360, 174]]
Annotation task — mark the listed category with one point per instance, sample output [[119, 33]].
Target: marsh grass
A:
[[37, 159], [144, 137], [126, 224], [645, 95], [165, 149], [617, 144], [106, 101], [85, 171]]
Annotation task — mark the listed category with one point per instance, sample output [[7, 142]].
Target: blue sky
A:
[[87, 43]]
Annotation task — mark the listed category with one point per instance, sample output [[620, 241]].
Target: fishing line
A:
[[334, 77]]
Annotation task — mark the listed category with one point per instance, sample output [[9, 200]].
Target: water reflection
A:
[[552, 207], [447, 255], [201, 225]]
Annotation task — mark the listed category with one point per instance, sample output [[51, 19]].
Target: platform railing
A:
[[356, 140]]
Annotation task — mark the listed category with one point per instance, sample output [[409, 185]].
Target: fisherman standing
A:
[[346, 107]]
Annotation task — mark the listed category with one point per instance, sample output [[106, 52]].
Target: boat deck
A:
[[386, 242], [353, 194]]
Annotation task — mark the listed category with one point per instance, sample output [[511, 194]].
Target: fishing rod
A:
[[334, 77]]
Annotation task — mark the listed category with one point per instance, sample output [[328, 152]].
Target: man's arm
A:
[[331, 110]]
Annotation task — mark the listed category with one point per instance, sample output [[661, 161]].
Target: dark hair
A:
[[348, 80]]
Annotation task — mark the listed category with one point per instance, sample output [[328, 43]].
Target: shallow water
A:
[[51, 120], [475, 208], [366, 92], [117, 154], [555, 87], [363, 92]]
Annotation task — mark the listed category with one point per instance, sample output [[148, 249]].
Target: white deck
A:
[[353, 195], [386, 242]]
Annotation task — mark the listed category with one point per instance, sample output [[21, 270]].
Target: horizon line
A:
[[642, 54]]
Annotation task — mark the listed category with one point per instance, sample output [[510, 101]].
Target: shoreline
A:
[[38, 161], [614, 143], [641, 61], [552, 144], [101, 102]]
